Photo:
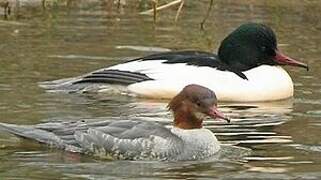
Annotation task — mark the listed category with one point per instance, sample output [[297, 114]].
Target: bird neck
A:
[[185, 119]]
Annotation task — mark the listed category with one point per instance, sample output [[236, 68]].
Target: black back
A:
[[196, 58]]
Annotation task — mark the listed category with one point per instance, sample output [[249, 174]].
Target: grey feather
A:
[[120, 139], [30, 132]]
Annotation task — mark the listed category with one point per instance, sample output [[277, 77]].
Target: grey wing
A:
[[58, 134], [40, 135], [129, 129], [113, 76], [122, 139], [131, 140], [95, 81]]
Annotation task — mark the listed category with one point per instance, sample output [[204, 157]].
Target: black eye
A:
[[263, 48], [198, 103]]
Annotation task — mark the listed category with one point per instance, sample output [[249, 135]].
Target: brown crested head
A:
[[192, 104]]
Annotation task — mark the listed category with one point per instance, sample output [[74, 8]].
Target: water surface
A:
[[63, 41]]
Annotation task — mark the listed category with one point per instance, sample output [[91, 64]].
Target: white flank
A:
[[265, 83]]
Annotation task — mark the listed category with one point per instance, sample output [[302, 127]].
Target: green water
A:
[[63, 41]]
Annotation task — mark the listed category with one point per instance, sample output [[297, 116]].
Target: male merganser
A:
[[247, 68], [138, 140]]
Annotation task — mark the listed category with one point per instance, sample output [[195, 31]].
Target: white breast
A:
[[198, 143], [265, 83]]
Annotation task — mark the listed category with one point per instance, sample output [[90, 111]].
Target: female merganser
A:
[[247, 68], [138, 140]]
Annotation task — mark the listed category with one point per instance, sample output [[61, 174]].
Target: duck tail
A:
[[31, 132]]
